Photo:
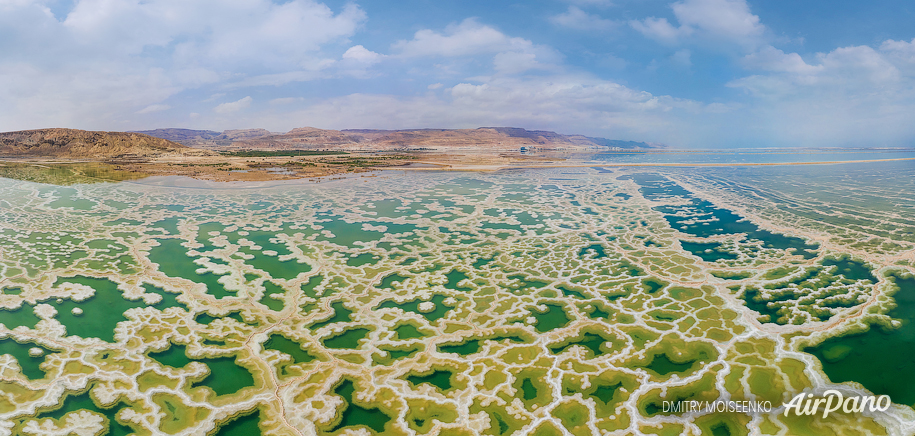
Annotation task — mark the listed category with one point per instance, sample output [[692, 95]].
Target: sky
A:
[[687, 74]]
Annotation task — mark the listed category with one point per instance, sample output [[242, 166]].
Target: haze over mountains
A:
[[483, 138]]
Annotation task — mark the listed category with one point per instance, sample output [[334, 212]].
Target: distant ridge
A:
[[488, 138], [190, 137], [73, 143]]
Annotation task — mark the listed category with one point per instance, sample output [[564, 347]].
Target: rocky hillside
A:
[[206, 138], [72, 143], [483, 138]]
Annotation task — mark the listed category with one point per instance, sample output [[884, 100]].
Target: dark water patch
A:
[[592, 342], [169, 225], [593, 252], [552, 318], [481, 262], [851, 269], [24, 316], [662, 365], [732, 275], [880, 358], [99, 314], [205, 318], [225, 376], [169, 299], [440, 310], [605, 393], [362, 259], [709, 252], [770, 313], [398, 353], [347, 234], [528, 390], [203, 235], [408, 331], [285, 269], [83, 401], [454, 277], [341, 314], [348, 339], [653, 285], [11, 290], [525, 283], [388, 281], [67, 197], [468, 347], [30, 365], [572, 293], [272, 291], [703, 219], [279, 269], [441, 379], [595, 311], [174, 261], [289, 347], [721, 430], [308, 288], [356, 416]]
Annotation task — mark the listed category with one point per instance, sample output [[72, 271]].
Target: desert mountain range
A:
[[126, 146], [484, 138], [72, 143]]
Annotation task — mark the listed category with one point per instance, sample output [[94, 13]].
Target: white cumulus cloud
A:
[[467, 38], [717, 21], [101, 60]]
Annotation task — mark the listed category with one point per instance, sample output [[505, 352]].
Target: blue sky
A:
[[688, 73]]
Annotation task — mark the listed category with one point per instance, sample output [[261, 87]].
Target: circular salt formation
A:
[[426, 306], [77, 311], [35, 351]]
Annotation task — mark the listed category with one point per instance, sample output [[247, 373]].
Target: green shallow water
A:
[[100, 313], [225, 376], [245, 425], [614, 275], [174, 261], [439, 379], [348, 339], [30, 365], [76, 402], [354, 416], [880, 359], [24, 316]]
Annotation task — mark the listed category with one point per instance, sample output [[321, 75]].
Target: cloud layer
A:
[[690, 73]]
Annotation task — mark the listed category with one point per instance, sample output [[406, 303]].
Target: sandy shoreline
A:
[[458, 167], [277, 168]]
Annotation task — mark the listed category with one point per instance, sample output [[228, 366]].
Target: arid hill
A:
[[206, 138], [483, 138], [72, 143]]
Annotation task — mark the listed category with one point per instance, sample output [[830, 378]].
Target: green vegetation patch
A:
[[275, 153]]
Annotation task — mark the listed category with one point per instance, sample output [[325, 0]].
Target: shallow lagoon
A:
[[480, 303]]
